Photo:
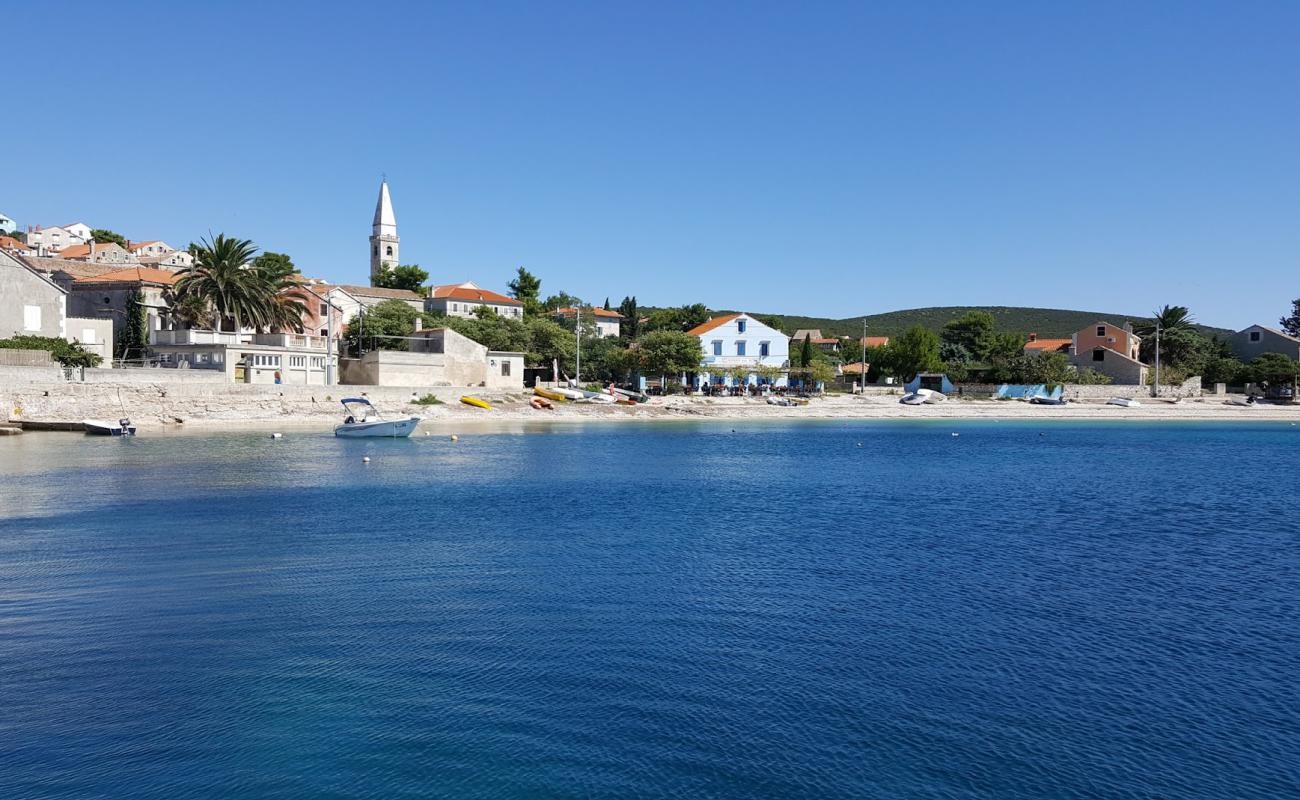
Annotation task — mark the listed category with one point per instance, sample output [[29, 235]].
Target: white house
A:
[[80, 230], [463, 299], [608, 323], [7, 225], [739, 340], [53, 238], [153, 247]]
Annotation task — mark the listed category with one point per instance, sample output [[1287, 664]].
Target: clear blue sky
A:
[[803, 158]]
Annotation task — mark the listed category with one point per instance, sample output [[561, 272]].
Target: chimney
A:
[[91, 259], [1033, 337], [419, 324]]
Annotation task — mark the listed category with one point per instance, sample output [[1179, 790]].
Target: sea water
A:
[[712, 610]]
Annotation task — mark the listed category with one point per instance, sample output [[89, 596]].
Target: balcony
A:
[[297, 341], [196, 337]]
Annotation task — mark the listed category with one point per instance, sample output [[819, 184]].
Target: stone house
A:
[[33, 304], [107, 296], [52, 239], [1109, 350], [437, 357], [99, 253], [1250, 343]]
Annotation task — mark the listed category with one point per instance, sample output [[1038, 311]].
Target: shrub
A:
[[427, 400], [67, 353]]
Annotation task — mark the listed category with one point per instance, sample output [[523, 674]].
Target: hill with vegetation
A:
[[1048, 323]]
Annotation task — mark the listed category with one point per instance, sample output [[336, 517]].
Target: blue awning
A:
[[355, 400]]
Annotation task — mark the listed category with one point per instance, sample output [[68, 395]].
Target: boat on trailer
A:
[[365, 421], [98, 427]]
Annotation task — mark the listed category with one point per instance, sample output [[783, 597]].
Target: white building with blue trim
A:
[[736, 341]]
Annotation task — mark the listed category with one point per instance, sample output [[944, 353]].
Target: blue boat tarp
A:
[[930, 380], [1014, 390]]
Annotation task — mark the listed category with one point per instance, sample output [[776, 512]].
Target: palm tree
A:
[[1169, 318], [220, 279], [189, 311], [285, 307]]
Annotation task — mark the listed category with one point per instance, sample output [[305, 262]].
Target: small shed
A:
[[934, 381]]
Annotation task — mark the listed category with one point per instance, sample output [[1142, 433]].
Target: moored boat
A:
[[98, 427], [365, 421]]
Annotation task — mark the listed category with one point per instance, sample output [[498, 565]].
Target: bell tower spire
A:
[[384, 241]]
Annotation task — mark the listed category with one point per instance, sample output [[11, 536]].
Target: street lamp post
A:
[[1155, 388]]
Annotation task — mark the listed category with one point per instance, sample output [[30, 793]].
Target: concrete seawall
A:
[[170, 403]]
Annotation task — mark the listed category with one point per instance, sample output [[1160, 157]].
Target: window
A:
[[717, 347], [31, 318], [388, 251], [740, 348], [740, 325], [297, 361], [1098, 355], [217, 358], [324, 309], [505, 367], [1101, 330], [87, 335], [1254, 336], [375, 250], [201, 358], [764, 349], [324, 331]]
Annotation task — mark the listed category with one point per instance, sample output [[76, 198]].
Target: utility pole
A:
[[1155, 389], [863, 381], [329, 338], [577, 369]]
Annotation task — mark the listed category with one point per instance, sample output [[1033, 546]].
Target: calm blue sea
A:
[[827, 610]]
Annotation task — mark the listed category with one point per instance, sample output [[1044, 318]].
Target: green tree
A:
[[607, 308], [105, 236], [1169, 318], [408, 276], [806, 351], [220, 279], [670, 353], [386, 326], [1291, 323], [631, 325], [916, 351], [971, 332], [527, 288], [274, 264], [1274, 369], [562, 300], [134, 338]]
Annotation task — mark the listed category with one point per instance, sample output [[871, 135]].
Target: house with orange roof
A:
[[463, 299], [52, 239], [157, 253], [1038, 345], [734, 342], [98, 252], [608, 323], [14, 246], [110, 295], [1111, 350]]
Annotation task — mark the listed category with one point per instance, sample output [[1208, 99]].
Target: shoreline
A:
[[447, 417]]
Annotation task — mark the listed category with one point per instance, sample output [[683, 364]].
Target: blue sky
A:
[[800, 158]]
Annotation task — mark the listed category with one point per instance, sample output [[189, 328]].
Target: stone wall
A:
[[171, 402]]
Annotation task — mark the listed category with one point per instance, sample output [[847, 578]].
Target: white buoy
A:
[[455, 438], [277, 435], [956, 434], [365, 459]]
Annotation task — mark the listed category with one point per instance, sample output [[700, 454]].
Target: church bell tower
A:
[[383, 236]]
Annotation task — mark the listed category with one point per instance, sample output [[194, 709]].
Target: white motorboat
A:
[[570, 394], [365, 421], [1123, 402], [597, 397], [98, 427], [914, 399], [784, 402], [932, 397]]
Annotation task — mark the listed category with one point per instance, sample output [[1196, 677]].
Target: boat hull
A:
[[95, 427], [548, 394], [476, 402], [378, 429]]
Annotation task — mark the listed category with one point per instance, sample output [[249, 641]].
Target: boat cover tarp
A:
[[1013, 390]]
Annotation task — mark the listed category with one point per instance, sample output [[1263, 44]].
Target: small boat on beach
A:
[[633, 396], [98, 427], [477, 402], [784, 402], [600, 398], [932, 397], [549, 394], [913, 399], [1043, 400], [1123, 402], [570, 394], [364, 421]]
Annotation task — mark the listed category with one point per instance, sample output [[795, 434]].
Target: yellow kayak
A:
[[549, 395], [474, 401]]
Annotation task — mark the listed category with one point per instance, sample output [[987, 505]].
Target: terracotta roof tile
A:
[[134, 275], [599, 312], [1048, 345], [716, 322], [10, 243], [472, 294], [376, 291]]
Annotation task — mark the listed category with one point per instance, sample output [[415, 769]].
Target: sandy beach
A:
[[515, 409]]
